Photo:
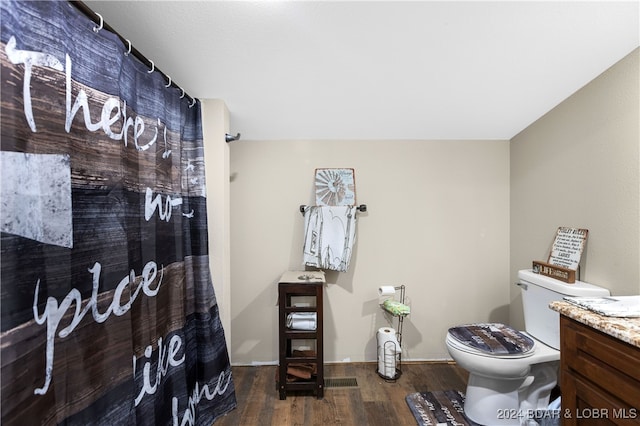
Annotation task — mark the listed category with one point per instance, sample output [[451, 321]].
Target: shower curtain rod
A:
[[89, 13]]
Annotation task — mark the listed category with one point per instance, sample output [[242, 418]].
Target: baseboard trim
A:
[[410, 361]]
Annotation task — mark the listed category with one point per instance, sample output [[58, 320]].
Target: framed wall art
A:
[[335, 187]]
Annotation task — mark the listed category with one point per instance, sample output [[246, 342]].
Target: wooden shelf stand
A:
[[288, 288]]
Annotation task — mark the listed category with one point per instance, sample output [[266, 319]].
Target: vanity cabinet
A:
[[599, 377]]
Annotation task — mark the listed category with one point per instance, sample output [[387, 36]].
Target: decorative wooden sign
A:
[[557, 272], [564, 259]]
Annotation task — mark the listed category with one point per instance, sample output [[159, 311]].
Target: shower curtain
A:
[[108, 314]]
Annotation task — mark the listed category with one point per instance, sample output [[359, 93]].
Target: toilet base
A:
[[509, 402], [492, 402]]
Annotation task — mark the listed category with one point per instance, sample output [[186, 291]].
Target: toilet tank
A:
[[538, 291]]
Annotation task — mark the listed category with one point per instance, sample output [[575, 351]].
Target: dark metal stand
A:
[[399, 338]]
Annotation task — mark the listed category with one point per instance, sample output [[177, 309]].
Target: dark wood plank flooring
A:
[[373, 402]]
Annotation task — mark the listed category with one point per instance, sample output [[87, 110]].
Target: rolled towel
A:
[[302, 321]]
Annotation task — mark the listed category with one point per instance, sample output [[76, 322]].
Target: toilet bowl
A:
[[512, 373], [503, 389]]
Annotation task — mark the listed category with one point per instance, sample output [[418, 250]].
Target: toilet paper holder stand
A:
[[398, 354]]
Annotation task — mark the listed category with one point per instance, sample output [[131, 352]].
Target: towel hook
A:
[[169, 83], [153, 67], [98, 28], [230, 138], [129, 49]]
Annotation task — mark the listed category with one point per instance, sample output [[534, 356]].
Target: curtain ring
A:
[[96, 29], [169, 83], [129, 50], [182, 96], [192, 103], [153, 67]]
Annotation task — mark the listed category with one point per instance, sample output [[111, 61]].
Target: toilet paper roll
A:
[[386, 290], [388, 349], [387, 361]]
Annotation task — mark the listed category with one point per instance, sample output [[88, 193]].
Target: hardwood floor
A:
[[373, 402]]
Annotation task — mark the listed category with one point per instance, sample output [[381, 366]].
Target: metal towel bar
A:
[[360, 208]]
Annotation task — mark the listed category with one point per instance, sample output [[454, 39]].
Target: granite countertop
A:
[[625, 329]]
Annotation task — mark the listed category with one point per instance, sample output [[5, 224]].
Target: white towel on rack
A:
[[329, 235], [302, 321]]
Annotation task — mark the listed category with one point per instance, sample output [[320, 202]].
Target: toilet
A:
[[511, 372]]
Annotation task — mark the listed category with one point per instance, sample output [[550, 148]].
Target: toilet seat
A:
[[491, 339], [452, 341], [488, 365]]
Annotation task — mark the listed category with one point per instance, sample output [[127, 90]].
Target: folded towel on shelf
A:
[[309, 353], [329, 234], [297, 371], [396, 308], [302, 321], [303, 370]]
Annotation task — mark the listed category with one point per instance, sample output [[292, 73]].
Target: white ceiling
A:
[[379, 69]]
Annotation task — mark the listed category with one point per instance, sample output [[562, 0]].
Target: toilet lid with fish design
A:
[[492, 338]]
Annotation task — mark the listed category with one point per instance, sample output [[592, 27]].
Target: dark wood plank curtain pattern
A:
[[108, 314]]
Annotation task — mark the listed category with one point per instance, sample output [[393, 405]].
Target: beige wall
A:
[[579, 166], [215, 123], [452, 220], [437, 221]]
